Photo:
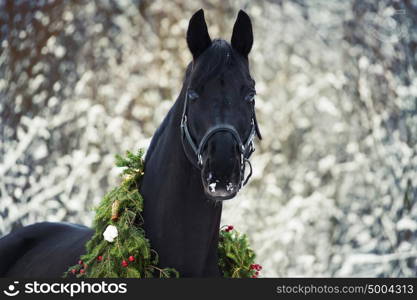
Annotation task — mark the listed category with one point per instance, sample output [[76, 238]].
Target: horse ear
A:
[[198, 38], [242, 37]]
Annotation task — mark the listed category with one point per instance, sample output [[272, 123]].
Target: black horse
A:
[[196, 159]]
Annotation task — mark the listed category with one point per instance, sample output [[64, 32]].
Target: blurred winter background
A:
[[335, 185]]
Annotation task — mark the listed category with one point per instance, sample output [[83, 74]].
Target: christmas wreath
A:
[[119, 248]]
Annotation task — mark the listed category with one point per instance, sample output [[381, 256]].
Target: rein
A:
[[245, 148]]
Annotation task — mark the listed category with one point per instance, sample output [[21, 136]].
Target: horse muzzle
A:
[[219, 189], [221, 168]]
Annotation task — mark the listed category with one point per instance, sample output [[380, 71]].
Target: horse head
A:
[[218, 123]]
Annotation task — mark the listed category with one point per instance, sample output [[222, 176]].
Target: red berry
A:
[[80, 262], [74, 271], [82, 271], [252, 266], [124, 263], [99, 258], [254, 276], [256, 273], [131, 258], [230, 227]]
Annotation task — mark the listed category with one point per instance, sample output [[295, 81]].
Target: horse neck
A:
[[181, 223]]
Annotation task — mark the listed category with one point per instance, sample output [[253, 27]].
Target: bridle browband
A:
[[245, 148]]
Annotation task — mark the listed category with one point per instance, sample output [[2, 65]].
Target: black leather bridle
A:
[[246, 148]]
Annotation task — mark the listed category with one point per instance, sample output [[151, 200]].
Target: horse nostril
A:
[[230, 187], [212, 187], [209, 177]]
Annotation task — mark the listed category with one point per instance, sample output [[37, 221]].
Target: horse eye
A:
[[192, 95], [250, 97]]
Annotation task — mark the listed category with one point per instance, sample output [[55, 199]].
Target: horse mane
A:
[[155, 137]]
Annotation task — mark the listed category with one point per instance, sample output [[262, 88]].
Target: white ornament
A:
[[110, 233]]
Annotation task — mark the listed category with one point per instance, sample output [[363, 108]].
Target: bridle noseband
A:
[[245, 148]]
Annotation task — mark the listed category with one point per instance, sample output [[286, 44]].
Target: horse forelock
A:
[[215, 62]]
